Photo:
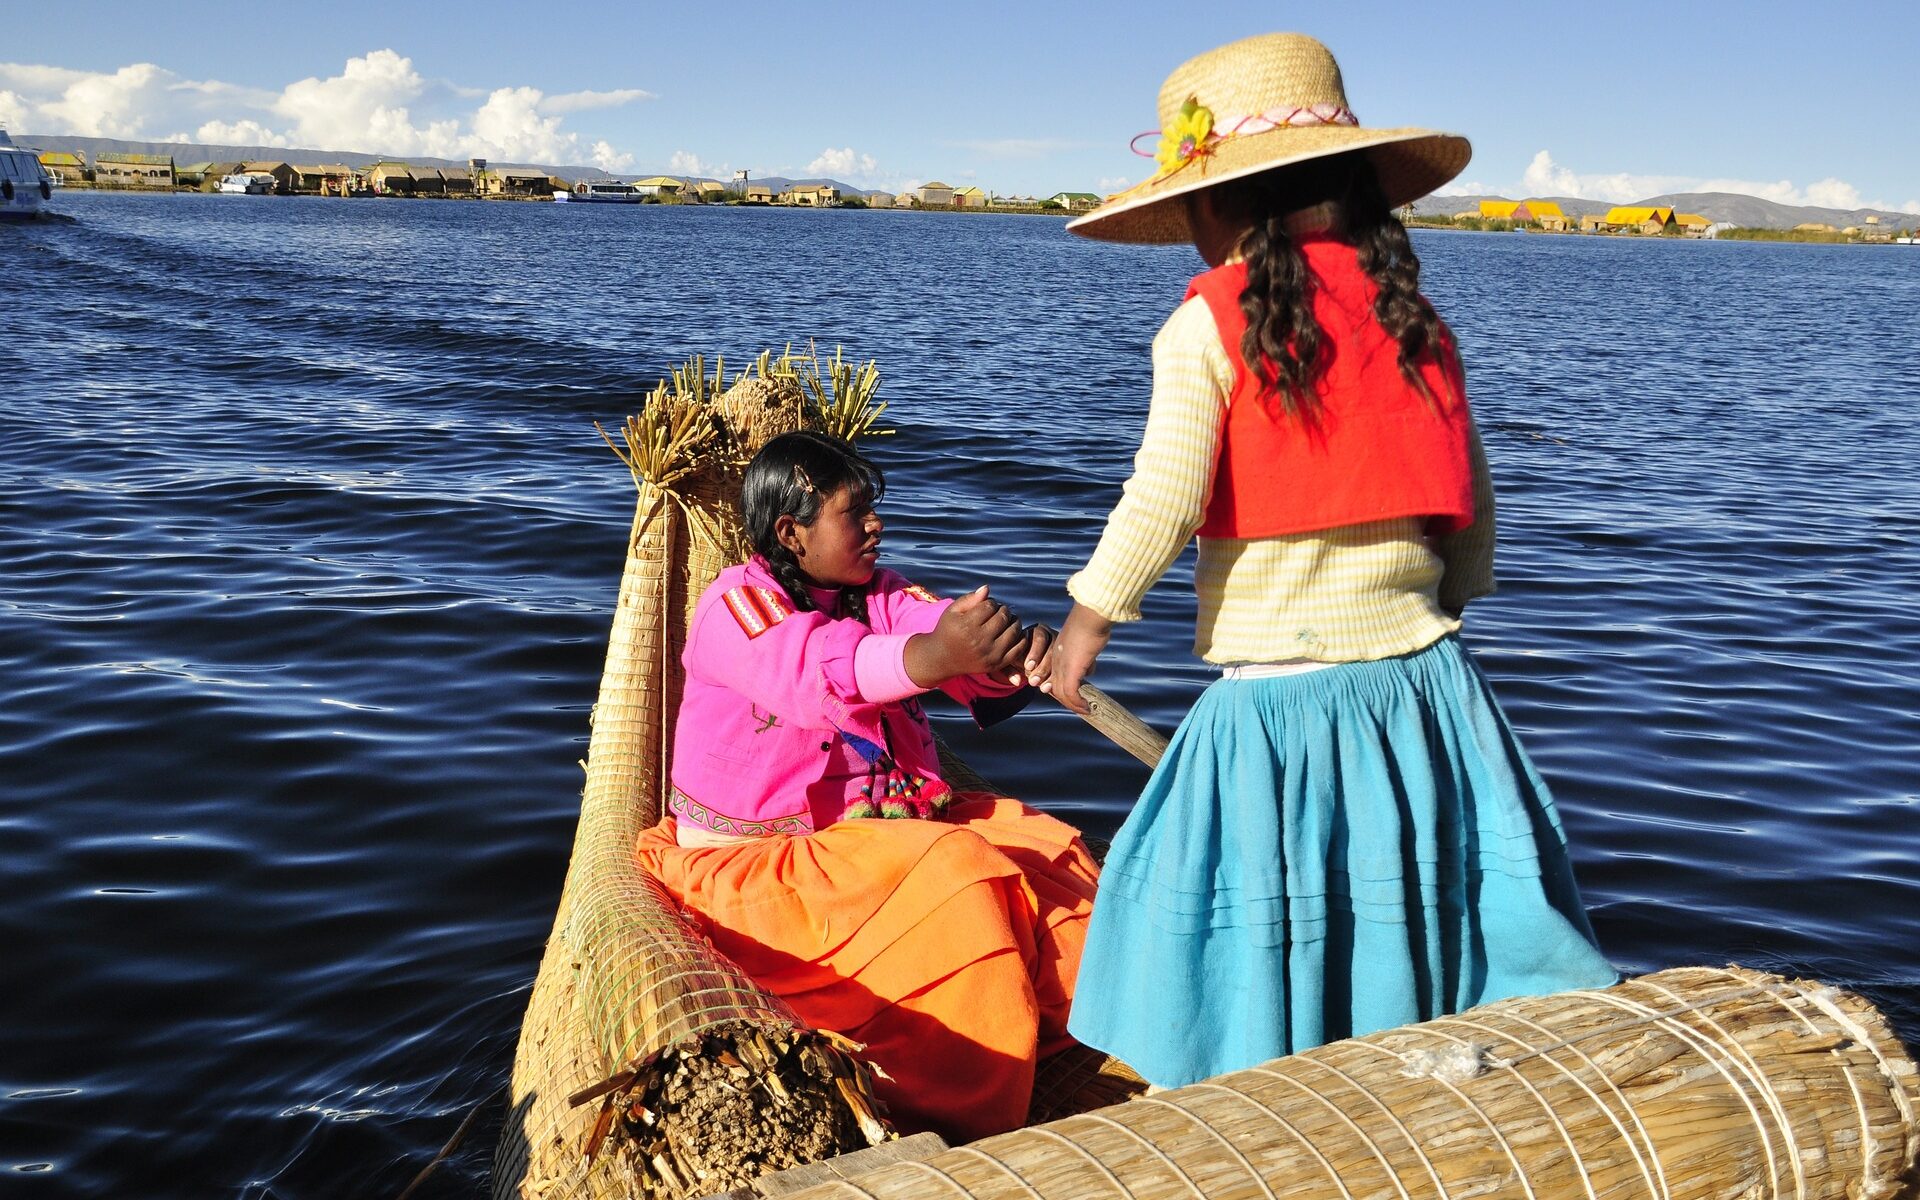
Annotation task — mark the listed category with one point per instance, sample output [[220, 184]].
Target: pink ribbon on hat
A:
[[1279, 118], [1273, 118]]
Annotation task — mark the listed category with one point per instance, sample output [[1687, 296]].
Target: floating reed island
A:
[[649, 1066]]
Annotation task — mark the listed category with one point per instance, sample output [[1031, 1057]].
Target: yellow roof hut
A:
[[1646, 219], [70, 168]]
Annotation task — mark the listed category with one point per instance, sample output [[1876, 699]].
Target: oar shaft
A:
[[1128, 732]]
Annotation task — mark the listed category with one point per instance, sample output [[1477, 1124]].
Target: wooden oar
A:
[[1128, 732]]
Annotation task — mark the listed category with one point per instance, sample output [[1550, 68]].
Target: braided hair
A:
[[1283, 342], [794, 475]]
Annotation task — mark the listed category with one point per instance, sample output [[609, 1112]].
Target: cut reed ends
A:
[[719, 1109]]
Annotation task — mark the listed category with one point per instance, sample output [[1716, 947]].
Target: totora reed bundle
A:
[[648, 1064], [1689, 1084]]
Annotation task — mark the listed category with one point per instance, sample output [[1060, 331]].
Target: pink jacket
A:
[[772, 721]]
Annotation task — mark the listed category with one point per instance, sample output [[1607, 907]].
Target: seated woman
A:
[[945, 940]]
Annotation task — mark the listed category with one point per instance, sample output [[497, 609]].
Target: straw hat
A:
[[1253, 105]]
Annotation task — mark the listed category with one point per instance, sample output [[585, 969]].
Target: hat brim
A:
[[1411, 163]]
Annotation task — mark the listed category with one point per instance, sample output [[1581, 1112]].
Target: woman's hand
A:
[[976, 635], [1081, 640], [1033, 658]]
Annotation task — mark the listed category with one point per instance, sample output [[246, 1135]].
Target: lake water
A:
[[310, 547]]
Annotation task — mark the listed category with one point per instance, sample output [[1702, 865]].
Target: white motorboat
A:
[[25, 186], [248, 183], [601, 193]]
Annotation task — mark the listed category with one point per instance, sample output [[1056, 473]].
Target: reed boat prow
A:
[[651, 1066]]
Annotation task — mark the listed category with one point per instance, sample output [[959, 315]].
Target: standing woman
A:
[[1344, 835]]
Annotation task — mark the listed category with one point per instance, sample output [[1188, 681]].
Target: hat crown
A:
[[1255, 75]]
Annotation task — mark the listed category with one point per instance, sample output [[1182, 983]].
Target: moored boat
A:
[[651, 1066], [601, 193], [247, 183], [25, 185]]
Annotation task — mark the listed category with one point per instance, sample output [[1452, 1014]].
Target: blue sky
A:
[[1770, 98]]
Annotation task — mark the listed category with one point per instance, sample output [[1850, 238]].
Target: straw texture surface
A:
[[1690, 1083], [625, 978], [648, 1064], [1249, 86]]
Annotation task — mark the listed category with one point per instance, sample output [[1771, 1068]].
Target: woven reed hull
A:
[[1691, 1083], [624, 977], [1688, 1083]]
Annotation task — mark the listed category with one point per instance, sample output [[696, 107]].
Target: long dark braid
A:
[[794, 475], [1282, 345], [1282, 342]]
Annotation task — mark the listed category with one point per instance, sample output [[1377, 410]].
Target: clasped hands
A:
[[978, 635]]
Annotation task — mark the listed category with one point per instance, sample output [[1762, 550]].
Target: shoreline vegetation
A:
[[1662, 224], [1817, 236], [479, 180], [853, 204]]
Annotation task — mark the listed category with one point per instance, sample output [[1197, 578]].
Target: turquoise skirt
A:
[[1324, 855]]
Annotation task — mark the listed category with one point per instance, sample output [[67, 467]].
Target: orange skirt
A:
[[948, 948]]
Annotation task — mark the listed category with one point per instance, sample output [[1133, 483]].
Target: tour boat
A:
[[650, 1066], [601, 193], [248, 183], [25, 185]]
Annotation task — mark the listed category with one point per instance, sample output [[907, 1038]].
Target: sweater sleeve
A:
[[1468, 553], [1165, 501]]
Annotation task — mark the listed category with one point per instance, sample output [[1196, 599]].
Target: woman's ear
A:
[[786, 531]]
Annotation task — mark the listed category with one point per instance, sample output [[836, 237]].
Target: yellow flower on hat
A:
[[1186, 137]]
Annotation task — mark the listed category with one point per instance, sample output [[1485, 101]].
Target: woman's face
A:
[[1213, 237], [842, 546]]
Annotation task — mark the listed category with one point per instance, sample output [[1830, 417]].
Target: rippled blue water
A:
[[310, 547]]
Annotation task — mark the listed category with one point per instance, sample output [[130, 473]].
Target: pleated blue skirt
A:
[[1324, 855]]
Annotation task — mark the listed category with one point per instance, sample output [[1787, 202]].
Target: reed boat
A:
[[649, 1066]]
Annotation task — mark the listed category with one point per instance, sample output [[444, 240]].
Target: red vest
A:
[[1376, 449]]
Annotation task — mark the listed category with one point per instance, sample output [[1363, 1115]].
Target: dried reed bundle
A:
[[631, 1005], [1690, 1083]]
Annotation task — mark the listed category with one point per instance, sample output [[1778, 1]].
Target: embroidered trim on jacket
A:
[[756, 609], [690, 811]]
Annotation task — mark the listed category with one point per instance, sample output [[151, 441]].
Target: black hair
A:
[[794, 475], [1282, 344]]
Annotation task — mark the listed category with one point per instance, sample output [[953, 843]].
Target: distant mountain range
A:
[[189, 152], [1748, 211]]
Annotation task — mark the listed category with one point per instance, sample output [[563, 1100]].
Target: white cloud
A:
[[115, 105], [1911, 206], [685, 162], [365, 108], [610, 160], [572, 102], [1464, 187], [1833, 193], [1545, 177], [235, 133], [1111, 183], [379, 103], [844, 163], [14, 110], [511, 120]]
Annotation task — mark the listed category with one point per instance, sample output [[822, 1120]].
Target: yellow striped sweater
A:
[[1334, 595]]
